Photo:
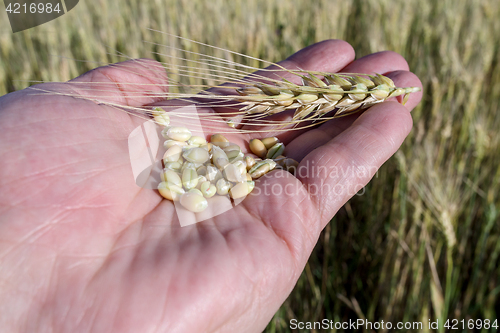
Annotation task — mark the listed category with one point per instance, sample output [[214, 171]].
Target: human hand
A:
[[83, 248]]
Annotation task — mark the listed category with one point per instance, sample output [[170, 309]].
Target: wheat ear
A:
[[253, 98]]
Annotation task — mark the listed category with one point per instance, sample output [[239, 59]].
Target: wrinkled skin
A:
[[83, 249]]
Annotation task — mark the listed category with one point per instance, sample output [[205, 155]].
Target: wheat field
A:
[[423, 240]]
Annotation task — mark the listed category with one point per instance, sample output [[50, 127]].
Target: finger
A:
[[307, 141], [131, 83], [336, 171], [380, 62], [310, 140], [327, 56]]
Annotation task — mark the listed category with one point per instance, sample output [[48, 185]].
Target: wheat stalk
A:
[[252, 99]]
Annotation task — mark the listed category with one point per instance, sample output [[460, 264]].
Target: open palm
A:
[[84, 249]]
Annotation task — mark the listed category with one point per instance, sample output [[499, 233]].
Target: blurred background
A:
[[422, 241]]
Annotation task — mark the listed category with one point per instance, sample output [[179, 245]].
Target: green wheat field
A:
[[423, 240]]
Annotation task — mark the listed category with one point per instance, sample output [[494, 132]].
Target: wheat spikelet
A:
[[250, 96]]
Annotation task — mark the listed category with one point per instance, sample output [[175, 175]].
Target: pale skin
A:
[[84, 249]]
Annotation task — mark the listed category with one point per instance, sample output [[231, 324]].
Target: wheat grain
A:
[[224, 170]]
